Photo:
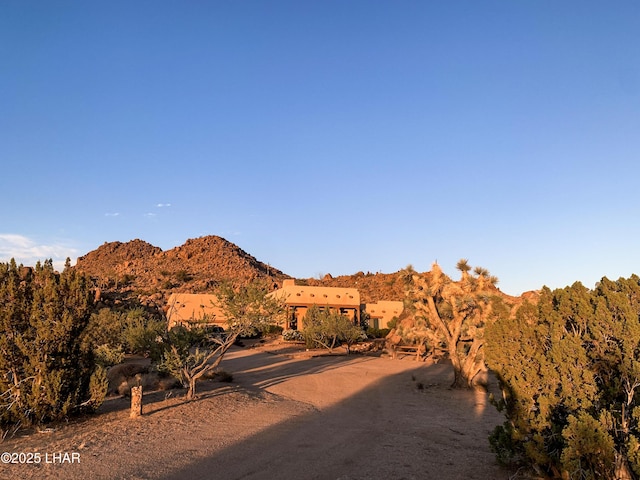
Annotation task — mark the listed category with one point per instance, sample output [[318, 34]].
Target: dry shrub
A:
[[219, 376], [148, 381], [168, 383], [124, 376]]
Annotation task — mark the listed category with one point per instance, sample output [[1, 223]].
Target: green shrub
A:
[[326, 328], [377, 332], [45, 369], [107, 356], [272, 330], [141, 333], [105, 328], [98, 386], [569, 369], [132, 331]]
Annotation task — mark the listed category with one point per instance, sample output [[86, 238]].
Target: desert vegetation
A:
[[113, 332], [191, 354], [449, 317], [47, 371], [326, 328], [569, 367], [568, 363]]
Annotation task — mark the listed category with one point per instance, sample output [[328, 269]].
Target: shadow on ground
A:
[[258, 369], [329, 417], [408, 425]]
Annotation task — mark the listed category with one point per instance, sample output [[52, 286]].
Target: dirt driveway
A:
[[327, 417]]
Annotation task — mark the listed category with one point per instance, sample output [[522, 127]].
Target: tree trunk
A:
[[466, 366], [136, 402], [191, 392], [458, 377], [464, 371], [622, 471]]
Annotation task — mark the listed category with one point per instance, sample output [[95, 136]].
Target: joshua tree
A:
[[453, 314]]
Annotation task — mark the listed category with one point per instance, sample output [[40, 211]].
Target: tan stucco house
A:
[[194, 309], [382, 312], [299, 298], [190, 309]]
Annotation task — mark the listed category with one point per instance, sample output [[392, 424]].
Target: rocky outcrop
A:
[[197, 266]]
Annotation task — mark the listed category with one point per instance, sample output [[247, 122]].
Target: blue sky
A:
[[328, 136]]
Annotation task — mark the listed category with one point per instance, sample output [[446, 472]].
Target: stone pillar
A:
[[136, 402]]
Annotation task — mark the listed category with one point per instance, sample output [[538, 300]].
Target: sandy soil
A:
[[285, 416]]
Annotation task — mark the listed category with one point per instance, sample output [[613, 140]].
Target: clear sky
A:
[[328, 136]]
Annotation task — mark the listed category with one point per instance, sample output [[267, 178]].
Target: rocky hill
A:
[[139, 268]]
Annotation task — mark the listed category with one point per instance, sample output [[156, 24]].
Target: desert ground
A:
[[286, 415]]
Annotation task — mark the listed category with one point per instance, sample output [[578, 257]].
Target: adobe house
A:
[[194, 309], [298, 299], [382, 312]]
